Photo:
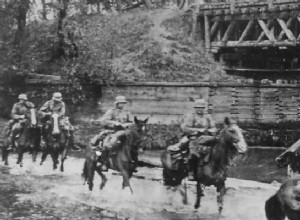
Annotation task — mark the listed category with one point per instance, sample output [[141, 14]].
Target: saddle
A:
[[178, 156]]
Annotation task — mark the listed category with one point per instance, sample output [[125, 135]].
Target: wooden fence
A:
[[262, 101], [167, 102]]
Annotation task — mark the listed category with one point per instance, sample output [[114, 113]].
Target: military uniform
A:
[[57, 106], [192, 121], [53, 107], [114, 115], [114, 121], [191, 124], [20, 113]]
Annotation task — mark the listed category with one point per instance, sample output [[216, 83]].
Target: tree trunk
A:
[[44, 10], [23, 7], [148, 4]]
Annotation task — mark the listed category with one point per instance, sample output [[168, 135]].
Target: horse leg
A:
[[54, 156], [90, 174], [221, 190], [199, 195], [5, 153], [34, 154], [184, 193], [20, 156], [103, 177], [63, 157], [44, 156], [126, 177]]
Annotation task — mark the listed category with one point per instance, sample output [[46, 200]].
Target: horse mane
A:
[[221, 154], [129, 135]]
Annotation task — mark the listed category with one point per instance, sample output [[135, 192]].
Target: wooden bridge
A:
[[243, 33]]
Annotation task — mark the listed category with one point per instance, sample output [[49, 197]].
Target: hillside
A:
[[138, 45], [151, 46]]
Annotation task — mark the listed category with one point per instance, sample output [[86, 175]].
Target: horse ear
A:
[[227, 121], [136, 120], [146, 120]]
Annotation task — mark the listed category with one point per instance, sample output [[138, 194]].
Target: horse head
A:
[[140, 124], [233, 137]]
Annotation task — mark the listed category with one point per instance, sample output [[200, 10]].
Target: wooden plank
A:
[[214, 28], [266, 30], [207, 34], [288, 24], [229, 30], [287, 31], [265, 43], [246, 30], [157, 93], [249, 95], [298, 38]]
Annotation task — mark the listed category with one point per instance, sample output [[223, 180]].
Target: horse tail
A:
[[274, 209]]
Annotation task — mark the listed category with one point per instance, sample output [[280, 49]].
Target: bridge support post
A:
[[207, 35]]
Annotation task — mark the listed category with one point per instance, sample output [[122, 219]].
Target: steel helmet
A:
[[120, 99], [22, 96], [200, 103], [57, 96]]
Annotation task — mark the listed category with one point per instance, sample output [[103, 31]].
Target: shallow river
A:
[[38, 192]]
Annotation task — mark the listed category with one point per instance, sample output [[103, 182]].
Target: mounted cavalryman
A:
[[57, 106], [194, 124], [20, 114], [114, 121]]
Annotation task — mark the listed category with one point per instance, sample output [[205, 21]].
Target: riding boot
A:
[[104, 160], [191, 174], [71, 142], [11, 141]]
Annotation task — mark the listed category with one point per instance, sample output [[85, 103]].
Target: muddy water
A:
[[38, 192]]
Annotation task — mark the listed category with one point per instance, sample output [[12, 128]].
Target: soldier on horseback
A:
[[114, 121], [56, 105], [193, 125], [19, 114]]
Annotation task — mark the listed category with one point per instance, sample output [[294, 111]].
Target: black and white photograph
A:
[[150, 109]]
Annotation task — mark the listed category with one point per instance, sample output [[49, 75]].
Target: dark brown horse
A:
[[286, 201], [212, 173], [123, 159], [57, 142], [28, 139]]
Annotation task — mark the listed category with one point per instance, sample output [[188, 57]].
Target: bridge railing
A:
[[231, 4]]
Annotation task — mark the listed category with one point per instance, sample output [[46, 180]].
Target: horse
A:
[[212, 173], [285, 202], [57, 141], [27, 140], [123, 158]]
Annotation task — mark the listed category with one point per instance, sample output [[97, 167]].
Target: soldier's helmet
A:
[[22, 96], [120, 99], [200, 103], [57, 96]]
